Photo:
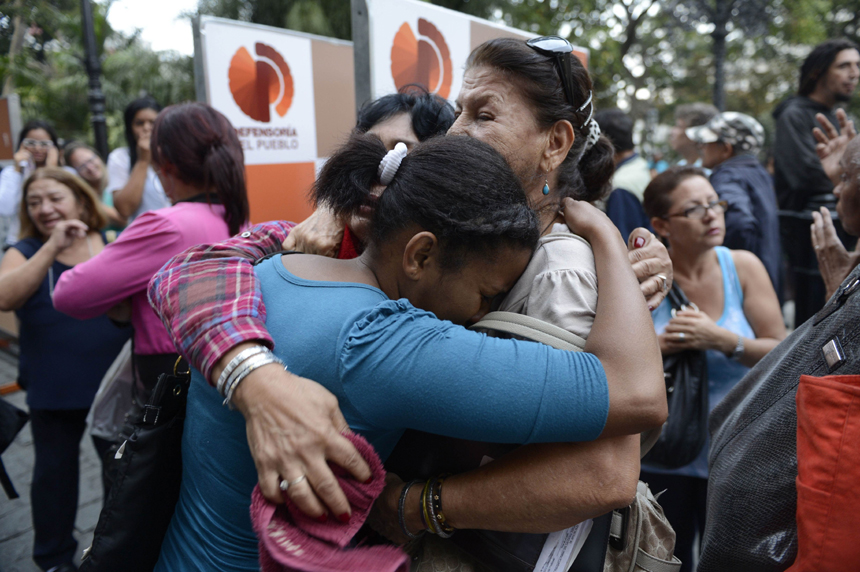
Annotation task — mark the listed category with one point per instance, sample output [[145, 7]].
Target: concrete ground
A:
[[16, 527]]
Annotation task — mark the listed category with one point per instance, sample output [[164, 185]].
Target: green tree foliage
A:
[[50, 77]]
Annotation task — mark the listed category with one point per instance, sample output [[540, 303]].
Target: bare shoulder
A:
[[750, 268]]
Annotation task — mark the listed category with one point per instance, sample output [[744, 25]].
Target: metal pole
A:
[[361, 51], [94, 69]]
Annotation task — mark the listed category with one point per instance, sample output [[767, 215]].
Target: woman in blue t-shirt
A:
[[737, 320], [62, 359], [452, 231]]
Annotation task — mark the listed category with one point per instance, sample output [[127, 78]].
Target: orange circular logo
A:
[[423, 60], [258, 84]]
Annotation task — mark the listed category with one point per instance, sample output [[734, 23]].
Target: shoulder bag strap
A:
[[532, 329]]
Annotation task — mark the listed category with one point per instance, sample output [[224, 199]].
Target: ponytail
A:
[[203, 146], [345, 182]]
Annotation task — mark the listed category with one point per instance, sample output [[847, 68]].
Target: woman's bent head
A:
[[513, 97], [454, 197], [685, 209], [51, 195], [197, 145]]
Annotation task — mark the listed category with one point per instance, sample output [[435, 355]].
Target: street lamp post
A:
[[95, 95]]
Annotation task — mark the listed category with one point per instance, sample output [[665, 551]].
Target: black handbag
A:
[[752, 495], [686, 429], [148, 474], [12, 420]]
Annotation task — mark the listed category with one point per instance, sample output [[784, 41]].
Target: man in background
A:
[[828, 76], [686, 116], [729, 143]]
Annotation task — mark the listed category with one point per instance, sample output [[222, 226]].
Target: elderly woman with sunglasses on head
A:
[[533, 104], [736, 320], [37, 147]]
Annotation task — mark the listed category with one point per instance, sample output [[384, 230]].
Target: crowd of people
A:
[[309, 341]]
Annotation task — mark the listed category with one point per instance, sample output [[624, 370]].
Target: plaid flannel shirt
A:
[[209, 298]]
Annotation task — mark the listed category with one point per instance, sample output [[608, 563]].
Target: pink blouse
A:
[[124, 268]]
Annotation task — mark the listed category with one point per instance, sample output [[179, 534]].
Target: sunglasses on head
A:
[[559, 50]]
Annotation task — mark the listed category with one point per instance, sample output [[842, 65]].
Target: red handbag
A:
[[828, 495]]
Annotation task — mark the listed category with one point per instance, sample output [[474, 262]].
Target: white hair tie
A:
[[391, 162], [593, 134]]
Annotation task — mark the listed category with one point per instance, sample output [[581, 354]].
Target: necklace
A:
[[51, 269]]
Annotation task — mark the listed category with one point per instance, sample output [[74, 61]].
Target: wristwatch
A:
[[739, 349]]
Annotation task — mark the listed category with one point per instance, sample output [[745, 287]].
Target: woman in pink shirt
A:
[[200, 162]]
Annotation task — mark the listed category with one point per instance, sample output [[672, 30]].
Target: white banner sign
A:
[[263, 82]]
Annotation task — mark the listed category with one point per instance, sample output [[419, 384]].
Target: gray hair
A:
[[694, 114]]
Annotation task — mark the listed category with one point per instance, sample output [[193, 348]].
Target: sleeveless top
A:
[[62, 359], [723, 372]]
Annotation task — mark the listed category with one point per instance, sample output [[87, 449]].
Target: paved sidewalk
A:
[[16, 527]]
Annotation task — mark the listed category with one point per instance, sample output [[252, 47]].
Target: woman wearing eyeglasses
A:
[[37, 147], [736, 321], [90, 167]]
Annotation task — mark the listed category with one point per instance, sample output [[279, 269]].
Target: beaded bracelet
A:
[[436, 503], [246, 368], [425, 510], [438, 525], [401, 510], [228, 371]]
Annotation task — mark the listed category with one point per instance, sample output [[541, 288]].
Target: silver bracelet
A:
[[401, 511], [234, 363], [246, 368]]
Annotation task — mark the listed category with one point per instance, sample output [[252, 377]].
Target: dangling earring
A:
[[546, 187]]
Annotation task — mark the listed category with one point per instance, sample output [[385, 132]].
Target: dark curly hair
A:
[[431, 115], [460, 189]]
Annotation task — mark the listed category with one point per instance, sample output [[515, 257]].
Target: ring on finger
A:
[[285, 484], [664, 282], [681, 335]]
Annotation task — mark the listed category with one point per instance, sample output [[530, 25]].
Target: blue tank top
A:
[[723, 372], [63, 359]]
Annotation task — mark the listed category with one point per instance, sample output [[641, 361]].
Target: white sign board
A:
[[263, 82], [413, 42]]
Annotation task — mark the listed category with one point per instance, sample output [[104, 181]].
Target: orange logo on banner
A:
[[256, 85], [425, 61]]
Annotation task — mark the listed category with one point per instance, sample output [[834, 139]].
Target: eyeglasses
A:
[[37, 143], [698, 211], [88, 164], [559, 50]]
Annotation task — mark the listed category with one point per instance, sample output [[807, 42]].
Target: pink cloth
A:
[[123, 269], [292, 541]]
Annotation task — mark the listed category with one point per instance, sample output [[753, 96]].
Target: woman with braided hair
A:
[[452, 231], [534, 106], [200, 163]]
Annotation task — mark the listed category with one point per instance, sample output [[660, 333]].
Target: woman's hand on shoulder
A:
[[588, 221], [65, 233], [321, 233], [651, 264], [294, 427]]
